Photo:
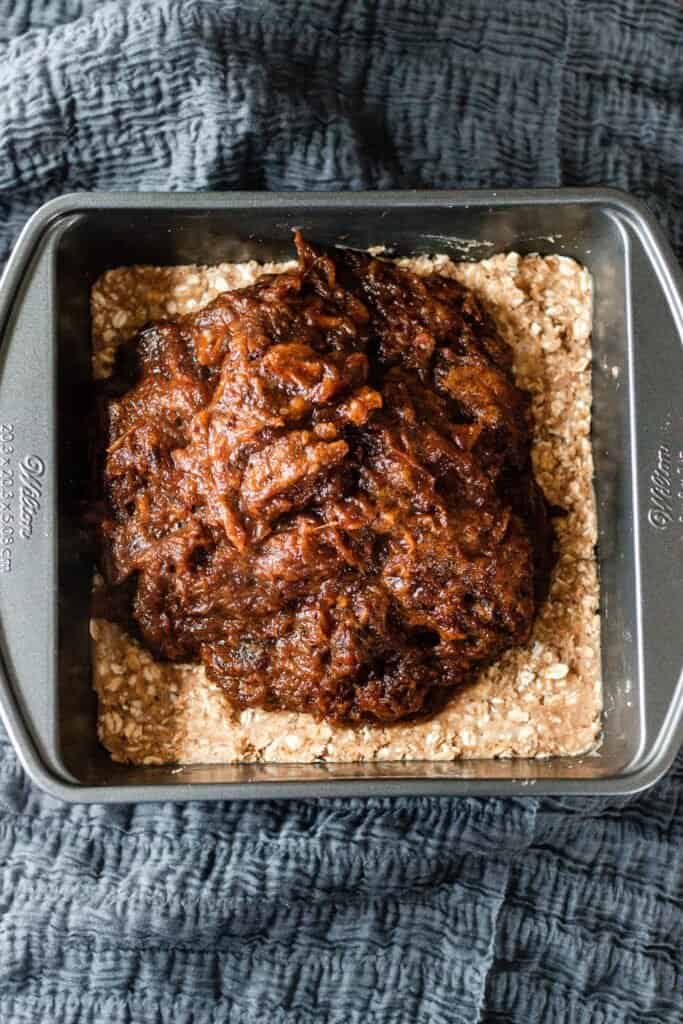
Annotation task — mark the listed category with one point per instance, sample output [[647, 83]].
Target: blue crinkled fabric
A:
[[342, 912]]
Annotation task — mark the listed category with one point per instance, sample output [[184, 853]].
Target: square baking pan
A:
[[46, 557]]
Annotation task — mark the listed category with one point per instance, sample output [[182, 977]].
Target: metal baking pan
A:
[[46, 700]]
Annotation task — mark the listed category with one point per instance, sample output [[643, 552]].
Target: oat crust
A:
[[537, 700]]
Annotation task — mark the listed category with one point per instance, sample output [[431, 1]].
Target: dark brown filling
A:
[[320, 486]]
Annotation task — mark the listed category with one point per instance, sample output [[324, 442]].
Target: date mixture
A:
[[320, 486]]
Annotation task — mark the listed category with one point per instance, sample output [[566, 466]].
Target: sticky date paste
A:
[[320, 486]]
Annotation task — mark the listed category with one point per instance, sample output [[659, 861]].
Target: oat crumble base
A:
[[537, 700]]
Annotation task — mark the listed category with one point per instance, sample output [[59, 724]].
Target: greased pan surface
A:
[[46, 699]]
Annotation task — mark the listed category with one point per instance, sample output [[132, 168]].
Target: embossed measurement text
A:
[[7, 518]]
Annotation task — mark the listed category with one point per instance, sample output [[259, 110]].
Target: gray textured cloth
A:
[[341, 912]]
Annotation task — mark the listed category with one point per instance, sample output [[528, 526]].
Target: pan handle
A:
[[656, 286], [28, 571]]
